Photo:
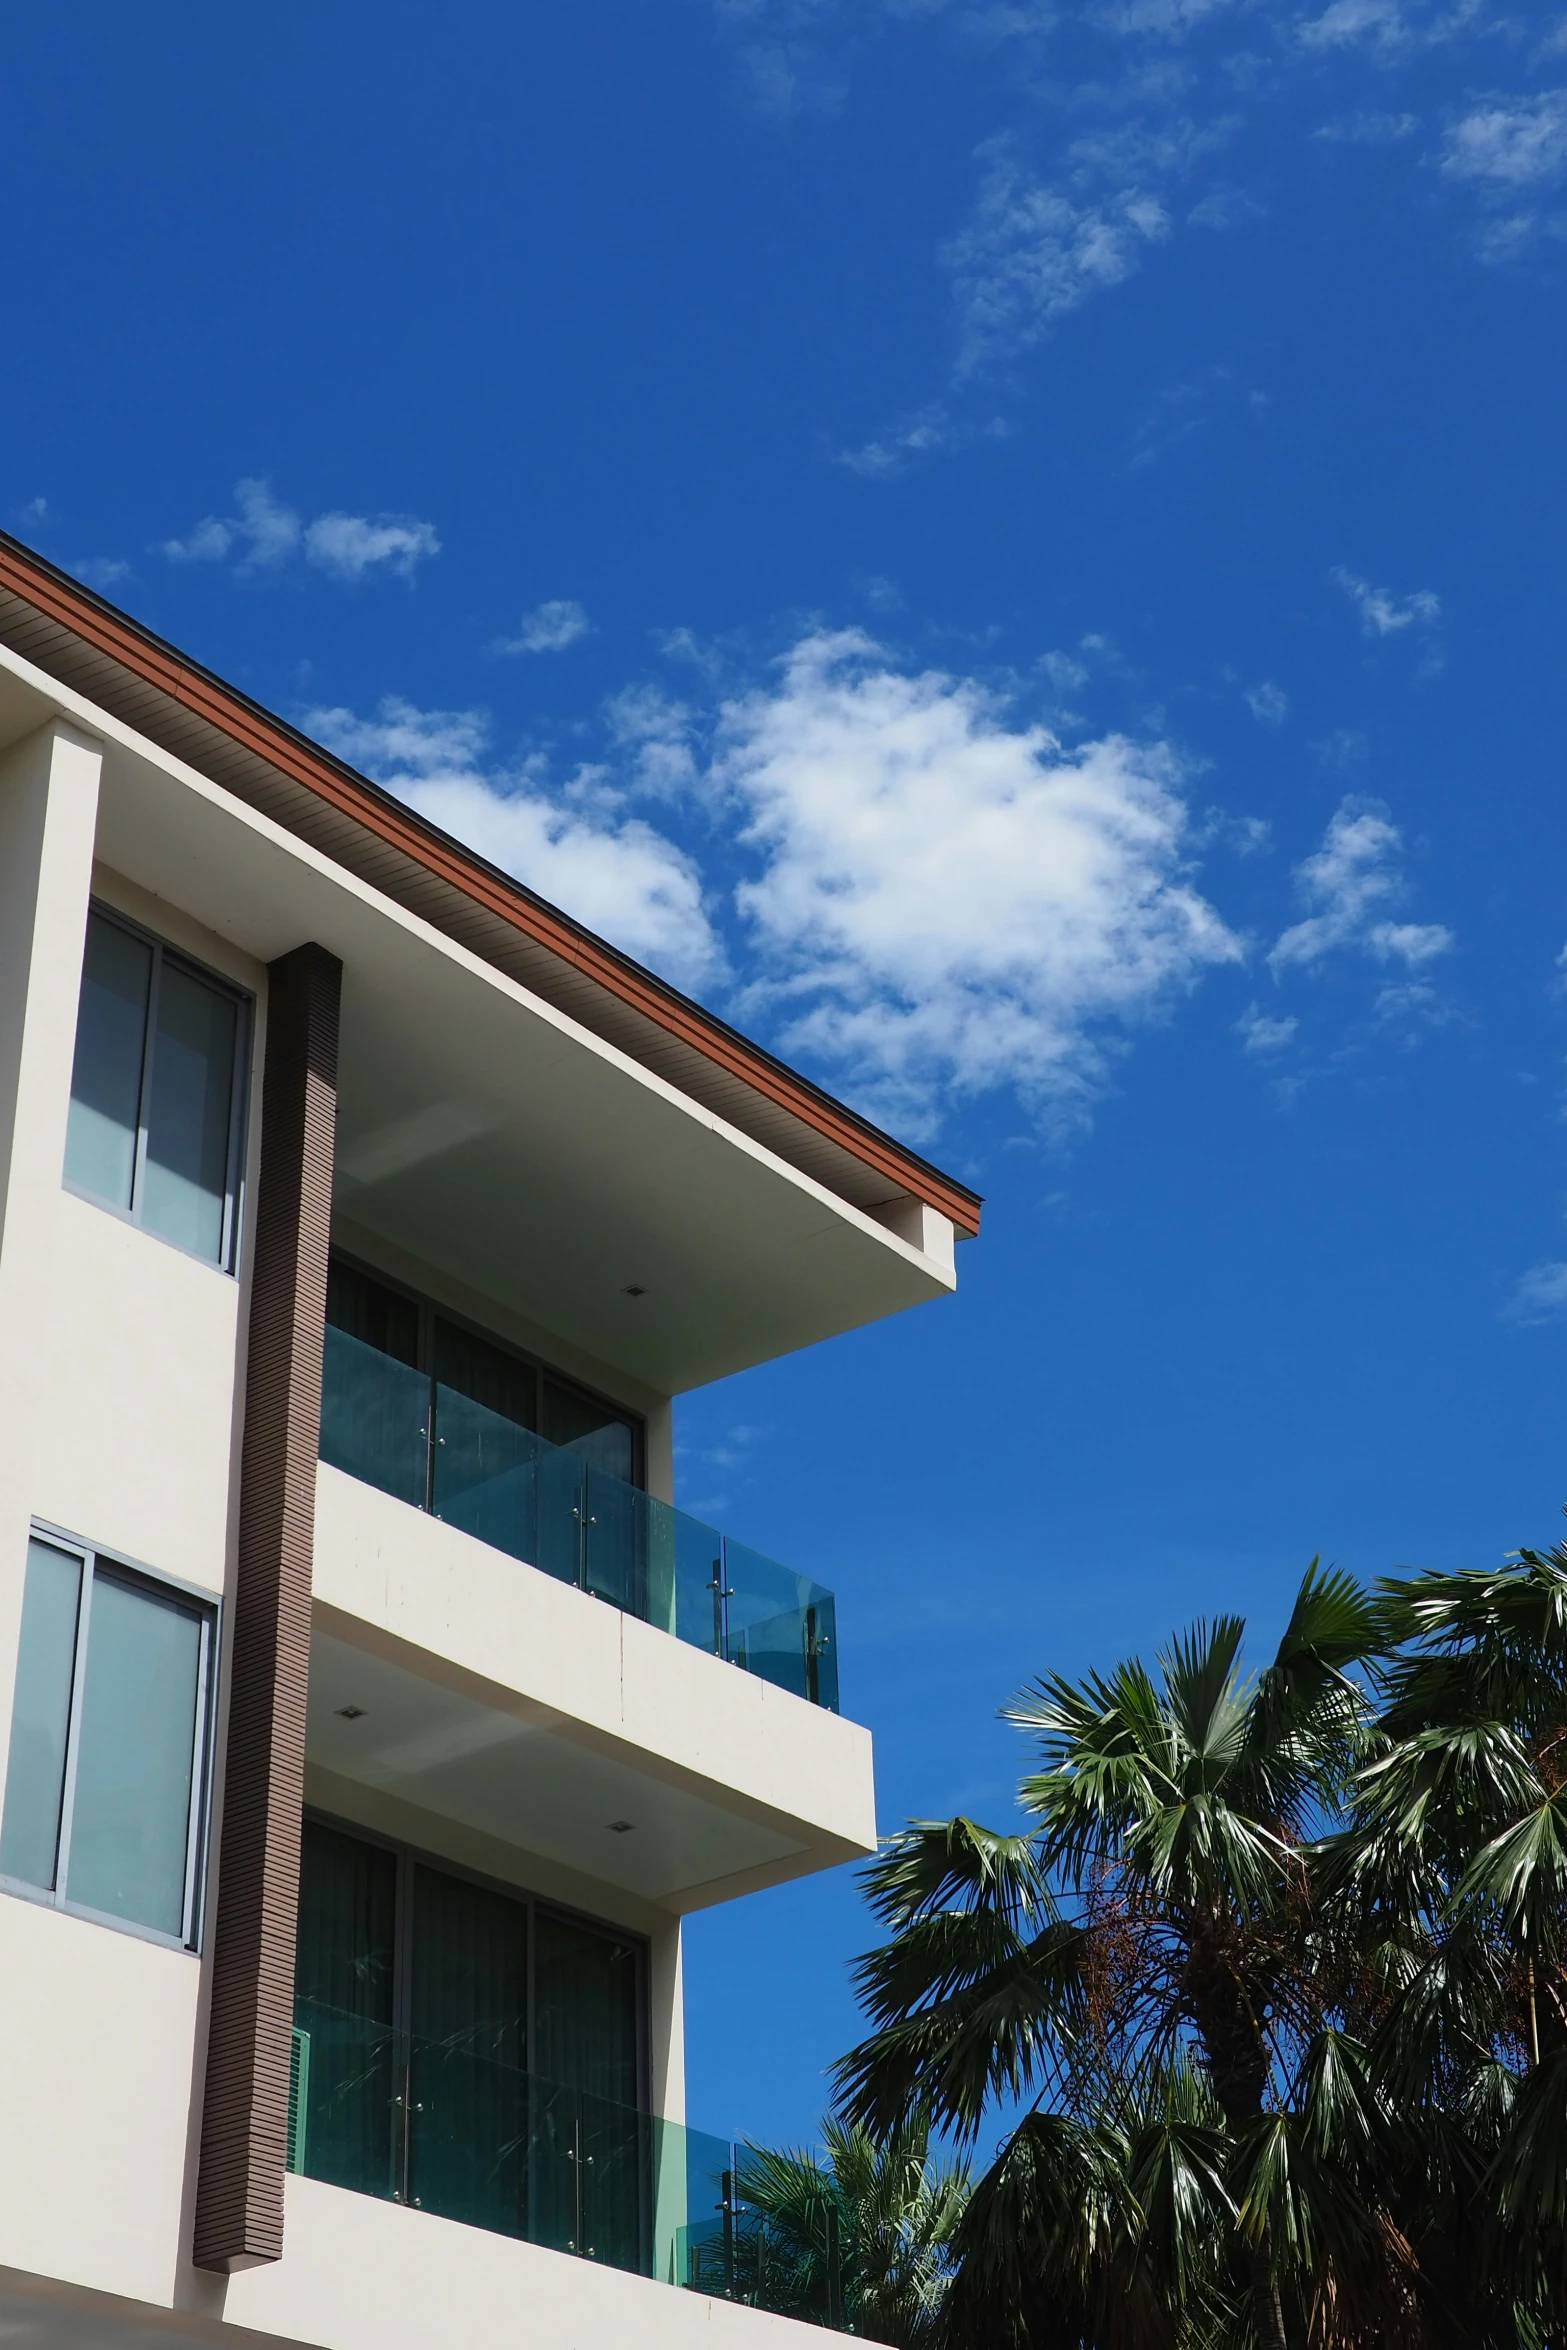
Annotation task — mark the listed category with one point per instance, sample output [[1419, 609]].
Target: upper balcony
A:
[[510, 1635], [432, 1445]]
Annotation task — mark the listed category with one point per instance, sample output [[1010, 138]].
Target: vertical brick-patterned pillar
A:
[[239, 2194]]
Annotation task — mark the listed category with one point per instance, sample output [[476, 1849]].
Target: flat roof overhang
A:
[[79, 639], [489, 1134]]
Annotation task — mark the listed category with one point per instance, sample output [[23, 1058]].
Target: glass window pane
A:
[[486, 1373], [469, 2095], [591, 1430], [189, 1115], [41, 1716], [585, 2009], [130, 1818], [111, 1031], [372, 1313], [347, 2133]]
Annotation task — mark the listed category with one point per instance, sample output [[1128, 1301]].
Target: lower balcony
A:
[[449, 2127]]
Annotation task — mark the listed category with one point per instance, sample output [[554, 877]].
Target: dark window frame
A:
[[431, 1311], [207, 1607], [163, 950]]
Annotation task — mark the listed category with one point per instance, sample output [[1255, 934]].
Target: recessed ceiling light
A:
[[621, 1827], [351, 1713], [633, 1289]]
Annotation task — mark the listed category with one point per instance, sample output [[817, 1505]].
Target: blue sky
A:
[[1014, 549]]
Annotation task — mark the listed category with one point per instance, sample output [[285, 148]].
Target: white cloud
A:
[[1381, 612], [264, 535], [1353, 885], [548, 628], [1511, 142], [349, 545], [950, 902], [1269, 702], [656, 730], [1261, 1035], [1540, 1295], [574, 845]]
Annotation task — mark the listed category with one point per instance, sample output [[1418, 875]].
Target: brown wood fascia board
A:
[[94, 623]]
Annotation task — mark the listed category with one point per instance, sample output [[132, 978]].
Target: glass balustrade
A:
[[448, 2127], [429, 1444]]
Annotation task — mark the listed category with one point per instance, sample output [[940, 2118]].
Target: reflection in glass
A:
[[190, 1113], [130, 1814], [41, 1716], [111, 1038]]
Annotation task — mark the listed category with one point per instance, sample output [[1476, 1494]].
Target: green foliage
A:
[[1270, 1998], [860, 2238]]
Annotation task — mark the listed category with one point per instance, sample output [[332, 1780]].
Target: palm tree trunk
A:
[[1267, 2308]]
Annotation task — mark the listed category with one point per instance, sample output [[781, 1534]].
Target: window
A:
[[468, 2050], [105, 1791], [157, 1089]]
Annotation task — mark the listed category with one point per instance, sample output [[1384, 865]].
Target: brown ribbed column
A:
[[239, 2194]]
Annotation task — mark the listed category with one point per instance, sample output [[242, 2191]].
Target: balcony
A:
[[448, 2127], [428, 1444]]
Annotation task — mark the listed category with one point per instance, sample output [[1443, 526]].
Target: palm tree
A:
[[1457, 1848], [1147, 1986], [859, 2238]]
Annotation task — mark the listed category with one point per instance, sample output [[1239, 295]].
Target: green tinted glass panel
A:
[[111, 1037], [484, 1477], [190, 1113], [136, 1752], [343, 1990], [468, 2124], [585, 2008], [41, 1716], [375, 1416]]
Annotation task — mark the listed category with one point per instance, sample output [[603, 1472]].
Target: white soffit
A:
[[531, 1787]]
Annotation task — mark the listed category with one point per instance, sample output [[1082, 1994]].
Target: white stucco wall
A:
[[97, 2101]]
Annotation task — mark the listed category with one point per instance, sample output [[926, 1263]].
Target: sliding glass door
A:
[[470, 2051]]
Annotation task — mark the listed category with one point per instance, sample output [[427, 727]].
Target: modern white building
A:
[[371, 1716]]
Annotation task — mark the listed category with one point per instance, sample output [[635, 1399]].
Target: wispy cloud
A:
[[264, 535], [1262, 1035], [1035, 248], [1269, 702], [949, 901], [1384, 614], [548, 628], [1540, 1295], [572, 841], [1353, 886], [1511, 142], [1371, 129], [102, 572]]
